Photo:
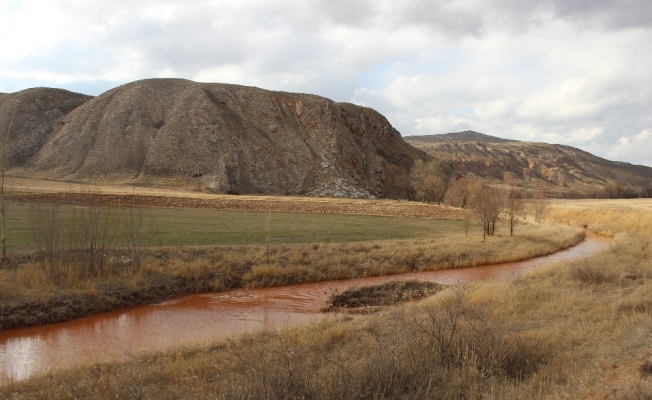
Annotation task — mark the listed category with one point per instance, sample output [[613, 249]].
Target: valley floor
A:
[[203, 249], [577, 330]]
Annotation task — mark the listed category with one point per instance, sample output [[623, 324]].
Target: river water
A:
[[199, 318]]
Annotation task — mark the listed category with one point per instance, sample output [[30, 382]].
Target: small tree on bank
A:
[[4, 156], [489, 204], [540, 203], [514, 205]]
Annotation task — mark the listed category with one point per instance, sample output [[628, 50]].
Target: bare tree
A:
[[541, 204], [403, 182], [4, 161], [47, 229], [268, 224], [646, 191], [467, 223], [617, 190], [514, 205], [489, 203], [93, 229], [83, 240], [460, 192], [136, 227], [456, 193], [429, 181]]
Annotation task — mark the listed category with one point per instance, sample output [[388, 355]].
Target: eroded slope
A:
[[227, 138], [31, 116], [561, 171]]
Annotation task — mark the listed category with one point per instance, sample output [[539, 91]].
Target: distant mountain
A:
[[561, 171], [466, 136], [208, 137]]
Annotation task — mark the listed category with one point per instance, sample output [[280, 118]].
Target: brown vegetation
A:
[[446, 349], [489, 204], [429, 181], [29, 297], [578, 330], [371, 297]]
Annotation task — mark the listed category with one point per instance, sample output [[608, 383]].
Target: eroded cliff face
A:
[[561, 171], [30, 117], [225, 138]]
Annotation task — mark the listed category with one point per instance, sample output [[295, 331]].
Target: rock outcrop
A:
[[213, 137]]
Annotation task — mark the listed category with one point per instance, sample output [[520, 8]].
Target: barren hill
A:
[[561, 171], [467, 136], [31, 116], [222, 138]]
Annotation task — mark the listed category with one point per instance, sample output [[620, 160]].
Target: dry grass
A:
[[607, 217], [27, 297], [578, 330], [448, 348]]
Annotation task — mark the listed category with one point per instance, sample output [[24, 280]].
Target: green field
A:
[[201, 227]]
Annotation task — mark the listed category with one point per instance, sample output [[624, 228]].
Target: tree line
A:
[[431, 182]]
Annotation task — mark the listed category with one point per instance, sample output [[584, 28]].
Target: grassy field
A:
[[574, 330], [201, 227], [209, 227], [190, 250], [28, 296]]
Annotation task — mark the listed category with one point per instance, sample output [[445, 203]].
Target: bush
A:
[[589, 274]]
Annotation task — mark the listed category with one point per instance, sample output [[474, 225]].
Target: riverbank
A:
[[574, 330], [28, 298]]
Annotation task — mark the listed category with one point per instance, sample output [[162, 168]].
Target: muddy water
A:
[[204, 317]]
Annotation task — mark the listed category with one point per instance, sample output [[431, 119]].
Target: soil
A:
[[250, 203], [370, 298]]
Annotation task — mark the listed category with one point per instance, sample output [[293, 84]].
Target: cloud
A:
[[606, 14], [573, 71]]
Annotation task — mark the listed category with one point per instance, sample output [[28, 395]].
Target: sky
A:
[[574, 72]]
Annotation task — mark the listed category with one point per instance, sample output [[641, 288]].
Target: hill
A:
[[467, 136], [213, 137], [30, 117], [561, 171]]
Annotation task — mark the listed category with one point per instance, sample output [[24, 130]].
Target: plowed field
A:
[[390, 208]]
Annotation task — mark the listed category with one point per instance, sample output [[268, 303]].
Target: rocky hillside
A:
[[210, 137], [30, 118], [561, 171]]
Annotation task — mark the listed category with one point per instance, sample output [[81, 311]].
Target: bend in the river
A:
[[200, 318]]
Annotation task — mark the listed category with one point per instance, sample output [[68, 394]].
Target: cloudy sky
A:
[[576, 72]]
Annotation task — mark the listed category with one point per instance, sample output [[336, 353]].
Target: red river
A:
[[199, 318]]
